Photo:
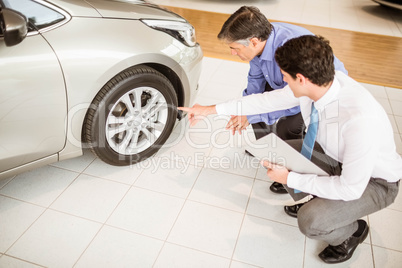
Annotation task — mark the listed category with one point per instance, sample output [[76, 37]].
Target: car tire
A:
[[131, 117]]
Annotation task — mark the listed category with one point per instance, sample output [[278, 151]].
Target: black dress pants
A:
[[287, 127]]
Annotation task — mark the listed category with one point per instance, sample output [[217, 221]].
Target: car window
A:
[[38, 15], [1, 22]]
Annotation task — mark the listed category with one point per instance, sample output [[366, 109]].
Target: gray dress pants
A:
[[333, 221]]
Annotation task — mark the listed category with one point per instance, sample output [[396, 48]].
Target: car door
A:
[[32, 91]]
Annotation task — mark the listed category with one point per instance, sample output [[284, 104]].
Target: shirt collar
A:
[[329, 96]]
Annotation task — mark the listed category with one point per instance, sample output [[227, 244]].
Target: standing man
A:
[[354, 144], [253, 38]]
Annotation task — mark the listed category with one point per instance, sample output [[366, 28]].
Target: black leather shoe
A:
[[292, 210], [344, 251], [278, 188]]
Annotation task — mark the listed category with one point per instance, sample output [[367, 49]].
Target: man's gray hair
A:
[[244, 42], [246, 21]]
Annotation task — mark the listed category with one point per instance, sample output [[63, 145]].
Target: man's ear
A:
[[255, 41], [301, 78]]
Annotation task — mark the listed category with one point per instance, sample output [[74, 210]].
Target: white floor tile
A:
[[233, 74], [77, 164], [209, 67], [4, 182], [387, 258], [313, 17], [376, 91], [117, 248], [269, 9], [398, 120], [181, 257], [386, 236], [262, 243], [40, 186], [126, 175], [344, 18], [222, 189], [206, 131], [268, 205], [286, 12], [224, 81], [194, 151], [229, 155], [237, 264], [176, 136], [55, 240], [147, 213], [6, 261], [385, 103], [362, 257], [240, 69], [396, 107], [91, 198], [221, 90], [394, 93], [203, 100], [16, 217], [170, 177], [206, 228], [393, 124]]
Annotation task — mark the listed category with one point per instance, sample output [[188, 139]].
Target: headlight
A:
[[182, 31]]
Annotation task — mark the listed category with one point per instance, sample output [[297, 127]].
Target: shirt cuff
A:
[[252, 119], [220, 109], [294, 180]]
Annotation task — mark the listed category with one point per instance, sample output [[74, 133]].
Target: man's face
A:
[[294, 84], [244, 53]]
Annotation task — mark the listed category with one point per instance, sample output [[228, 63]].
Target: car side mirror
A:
[[14, 26]]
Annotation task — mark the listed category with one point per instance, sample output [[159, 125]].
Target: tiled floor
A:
[[355, 15], [200, 202]]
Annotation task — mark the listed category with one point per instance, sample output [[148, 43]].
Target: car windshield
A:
[[38, 15]]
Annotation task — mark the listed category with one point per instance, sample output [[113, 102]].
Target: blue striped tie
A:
[[309, 139]]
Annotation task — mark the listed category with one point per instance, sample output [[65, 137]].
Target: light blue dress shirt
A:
[[264, 69]]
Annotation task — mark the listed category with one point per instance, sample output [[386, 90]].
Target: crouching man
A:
[[349, 135]]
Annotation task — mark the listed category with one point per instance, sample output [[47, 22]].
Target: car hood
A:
[[131, 9]]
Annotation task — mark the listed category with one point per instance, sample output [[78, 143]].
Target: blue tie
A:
[[309, 139]]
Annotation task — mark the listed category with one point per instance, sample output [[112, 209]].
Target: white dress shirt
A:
[[353, 129]]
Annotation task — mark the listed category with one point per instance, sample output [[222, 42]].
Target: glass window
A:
[[38, 15], [1, 24]]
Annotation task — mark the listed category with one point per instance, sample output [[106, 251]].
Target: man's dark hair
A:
[[247, 22], [309, 55]]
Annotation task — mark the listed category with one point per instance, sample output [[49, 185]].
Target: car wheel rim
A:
[[136, 120]]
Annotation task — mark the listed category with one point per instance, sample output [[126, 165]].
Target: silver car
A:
[[107, 75]]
